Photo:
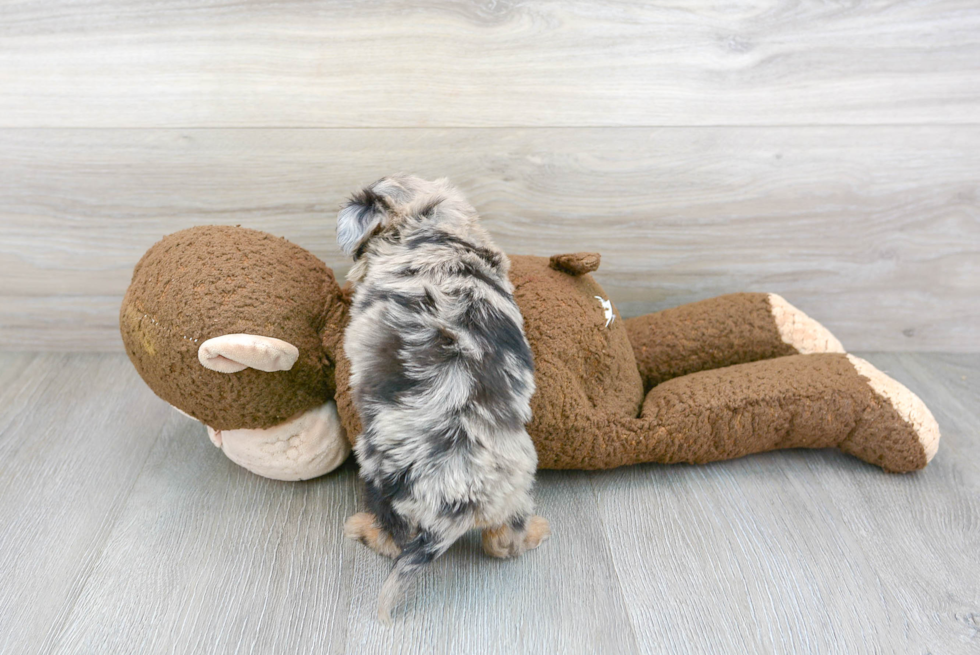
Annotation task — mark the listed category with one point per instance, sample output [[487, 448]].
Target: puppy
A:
[[442, 377]]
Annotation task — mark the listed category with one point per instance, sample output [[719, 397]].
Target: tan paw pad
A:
[[538, 531]]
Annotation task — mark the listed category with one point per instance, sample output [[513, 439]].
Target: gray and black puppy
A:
[[442, 377]]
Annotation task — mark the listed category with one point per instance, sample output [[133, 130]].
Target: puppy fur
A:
[[442, 377]]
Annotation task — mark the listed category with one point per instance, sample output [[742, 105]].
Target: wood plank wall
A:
[[827, 151]]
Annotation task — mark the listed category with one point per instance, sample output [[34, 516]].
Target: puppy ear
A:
[[363, 214]]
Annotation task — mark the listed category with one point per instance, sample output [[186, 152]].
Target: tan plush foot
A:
[[800, 331], [909, 406], [507, 542], [361, 527]]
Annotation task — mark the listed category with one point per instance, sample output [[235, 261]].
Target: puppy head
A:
[[389, 201]]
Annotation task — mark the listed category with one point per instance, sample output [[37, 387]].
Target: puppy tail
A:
[[415, 556]]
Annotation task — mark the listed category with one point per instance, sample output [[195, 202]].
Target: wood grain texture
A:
[[125, 531], [561, 598], [75, 432], [808, 552], [209, 558], [950, 386], [874, 231], [192, 63]]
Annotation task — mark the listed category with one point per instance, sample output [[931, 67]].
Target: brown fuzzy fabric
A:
[[802, 401], [345, 399], [208, 281], [576, 263], [582, 368], [713, 333]]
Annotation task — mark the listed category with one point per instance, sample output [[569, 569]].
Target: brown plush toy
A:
[[244, 332]]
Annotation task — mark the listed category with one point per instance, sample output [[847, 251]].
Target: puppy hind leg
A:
[[516, 536], [364, 527], [381, 528]]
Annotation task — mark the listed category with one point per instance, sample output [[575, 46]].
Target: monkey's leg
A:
[[804, 401], [723, 331]]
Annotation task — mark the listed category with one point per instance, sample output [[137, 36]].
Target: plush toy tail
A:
[[801, 401]]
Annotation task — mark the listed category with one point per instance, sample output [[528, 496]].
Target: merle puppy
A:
[[442, 377]]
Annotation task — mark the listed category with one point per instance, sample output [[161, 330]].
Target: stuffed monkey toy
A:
[[244, 331]]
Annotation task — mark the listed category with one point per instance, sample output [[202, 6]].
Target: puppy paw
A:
[[361, 527], [356, 526], [538, 532], [508, 542]]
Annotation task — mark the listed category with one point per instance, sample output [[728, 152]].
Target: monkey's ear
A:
[[361, 217], [231, 353], [576, 263]]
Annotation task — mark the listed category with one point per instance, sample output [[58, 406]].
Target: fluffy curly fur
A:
[[442, 377]]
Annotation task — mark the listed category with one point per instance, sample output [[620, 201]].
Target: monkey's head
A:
[[240, 329]]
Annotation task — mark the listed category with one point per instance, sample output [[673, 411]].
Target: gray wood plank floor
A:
[[122, 530]]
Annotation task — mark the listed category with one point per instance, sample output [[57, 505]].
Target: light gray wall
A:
[[826, 152]]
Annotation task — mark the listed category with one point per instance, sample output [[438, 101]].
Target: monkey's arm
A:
[[723, 331]]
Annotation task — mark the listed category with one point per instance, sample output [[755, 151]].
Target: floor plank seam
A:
[[280, 534], [53, 643], [13, 421], [799, 551], [354, 484], [609, 551], [946, 448]]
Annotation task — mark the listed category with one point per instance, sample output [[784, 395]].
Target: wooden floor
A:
[[125, 531]]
